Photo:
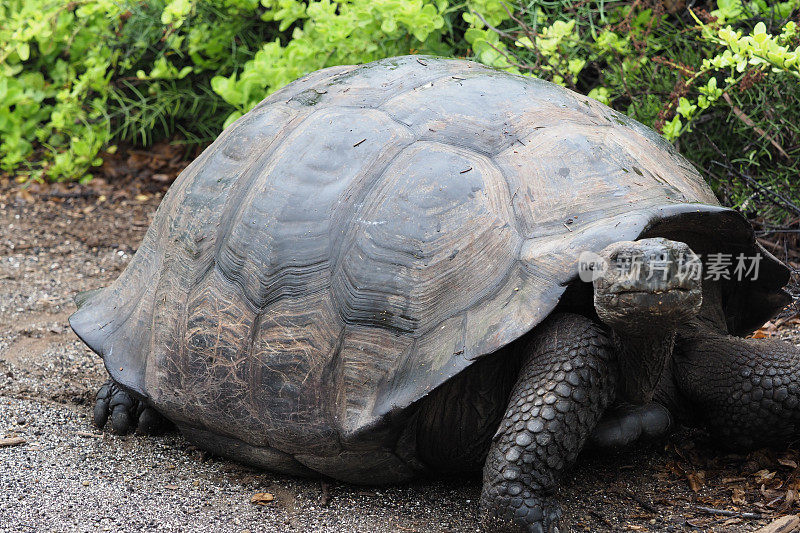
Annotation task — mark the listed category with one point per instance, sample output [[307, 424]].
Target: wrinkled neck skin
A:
[[642, 358], [710, 322], [646, 352]]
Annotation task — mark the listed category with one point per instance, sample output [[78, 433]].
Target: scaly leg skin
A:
[[566, 382], [745, 391], [126, 412]]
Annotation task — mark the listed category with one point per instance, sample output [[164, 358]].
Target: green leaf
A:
[[672, 128], [233, 117], [686, 108], [23, 51], [601, 94]]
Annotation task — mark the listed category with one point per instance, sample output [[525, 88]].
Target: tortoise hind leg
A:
[[127, 413], [566, 382], [453, 427]]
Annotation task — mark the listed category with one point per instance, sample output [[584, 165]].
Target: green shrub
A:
[[77, 77], [330, 33], [721, 83]]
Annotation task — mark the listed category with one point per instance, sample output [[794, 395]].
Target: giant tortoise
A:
[[374, 275]]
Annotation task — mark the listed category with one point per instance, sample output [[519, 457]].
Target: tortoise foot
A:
[[629, 423], [126, 412], [507, 510]]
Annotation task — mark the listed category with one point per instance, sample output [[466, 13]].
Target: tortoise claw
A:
[[121, 422], [101, 406], [126, 412]]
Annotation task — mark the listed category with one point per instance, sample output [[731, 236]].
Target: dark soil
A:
[[56, 241]]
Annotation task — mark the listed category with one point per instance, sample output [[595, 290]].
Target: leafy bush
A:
[[77, 77], [328, 33], [722, 82]]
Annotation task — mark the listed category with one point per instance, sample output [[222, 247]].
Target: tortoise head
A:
[[646, 284], [644, 290]]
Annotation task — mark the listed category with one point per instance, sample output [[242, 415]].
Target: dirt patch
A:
[[56, 241]]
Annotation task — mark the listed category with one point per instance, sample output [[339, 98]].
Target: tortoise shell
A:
[[368, 232]]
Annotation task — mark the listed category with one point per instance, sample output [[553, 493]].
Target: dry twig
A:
[[725, 512]]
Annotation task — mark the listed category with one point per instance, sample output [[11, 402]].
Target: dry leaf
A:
[[675, 468], [763, 475], [738, 497], [787, 462], [772, 496], [696, 480], [12, 441], [262, 498], [25, 195], [142, 197], [673, 6], [171, 487]]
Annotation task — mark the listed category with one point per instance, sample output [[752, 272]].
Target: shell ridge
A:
[[361, 190], [196, 260], [245, 183]]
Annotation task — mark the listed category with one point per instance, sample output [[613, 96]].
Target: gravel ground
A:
[[67, 476], [74, 479]]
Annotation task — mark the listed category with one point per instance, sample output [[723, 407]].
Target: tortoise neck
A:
[[641, 359]]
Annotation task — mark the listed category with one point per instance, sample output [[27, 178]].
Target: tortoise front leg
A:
[[566, 382], [745, 391]]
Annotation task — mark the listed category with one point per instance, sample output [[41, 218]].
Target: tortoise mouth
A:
[[671, 290], [656, 301], [641, 309]]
